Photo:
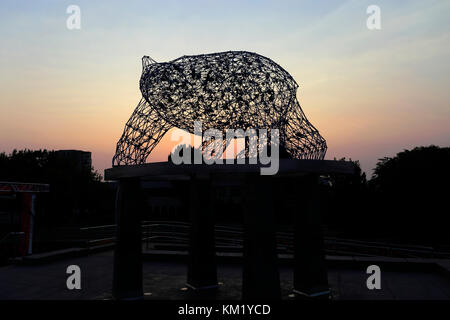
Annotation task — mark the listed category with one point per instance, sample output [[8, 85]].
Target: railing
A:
[[174, 235]]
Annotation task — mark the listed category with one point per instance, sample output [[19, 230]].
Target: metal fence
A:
[[174, 235]]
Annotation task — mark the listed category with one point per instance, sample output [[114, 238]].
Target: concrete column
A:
[[202, 267], [261, 279], [310, 271], [127, 278]]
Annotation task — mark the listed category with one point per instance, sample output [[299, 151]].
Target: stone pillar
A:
[[202, 268], [310, 271], [127, 278], [261, 279]]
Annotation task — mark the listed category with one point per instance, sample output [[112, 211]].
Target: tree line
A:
[[406, 199]]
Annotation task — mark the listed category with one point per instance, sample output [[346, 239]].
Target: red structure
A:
[[25, 195]]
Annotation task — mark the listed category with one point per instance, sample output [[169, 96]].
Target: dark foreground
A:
[[166, 281]]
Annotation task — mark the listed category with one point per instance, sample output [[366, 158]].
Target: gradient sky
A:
[[370, 93]]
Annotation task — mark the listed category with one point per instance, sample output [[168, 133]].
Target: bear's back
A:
[[223, 90]]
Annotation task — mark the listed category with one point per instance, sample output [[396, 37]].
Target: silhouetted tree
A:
[[346, 209], [410, 194]]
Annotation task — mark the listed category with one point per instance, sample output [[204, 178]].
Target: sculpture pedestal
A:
[[202, 269], [260, 271], [127, 277], [260, 279], [310, 272]]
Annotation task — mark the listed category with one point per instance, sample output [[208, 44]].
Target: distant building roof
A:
[[9, 187], [83, 159]]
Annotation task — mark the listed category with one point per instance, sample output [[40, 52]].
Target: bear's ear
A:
[[146, 61]]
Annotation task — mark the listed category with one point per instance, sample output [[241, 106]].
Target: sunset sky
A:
[[371, 93]]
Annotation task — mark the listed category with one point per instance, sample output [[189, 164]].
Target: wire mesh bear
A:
[[234, 89]]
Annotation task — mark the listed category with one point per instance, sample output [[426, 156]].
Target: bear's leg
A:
[[213, 148], [142, 133], [300, 138]]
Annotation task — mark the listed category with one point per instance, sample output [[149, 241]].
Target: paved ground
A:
[[165, 279]]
